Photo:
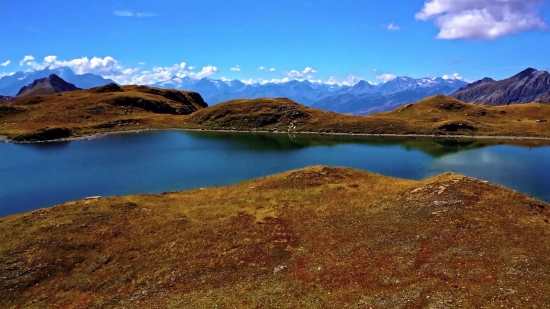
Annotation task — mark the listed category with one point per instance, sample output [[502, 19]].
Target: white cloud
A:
[[6, 74], [125, 13], [295, 74], [309, 70], [275, 81], [300, 74], [26, 59], [482, 19], [5, 64], [100, 66], [272, 70], [141, 63], [349, 80], [157, 74], [249, 81], [456, 76], [392, 27], [374, 71], [262, 68], [109, 67], [312, 79], [191, 68], [205, 72], [453, 76], [386, 77], [236, 68]]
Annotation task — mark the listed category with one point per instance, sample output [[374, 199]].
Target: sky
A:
[[344, 41]]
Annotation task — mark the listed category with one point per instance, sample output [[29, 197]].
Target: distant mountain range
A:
[[362, 98], [217, 91], [10, 85], [48, 85], [527, 86]]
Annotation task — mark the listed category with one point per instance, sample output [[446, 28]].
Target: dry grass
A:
[[435, 115], [101, 109], [88, 111], [313, 238]]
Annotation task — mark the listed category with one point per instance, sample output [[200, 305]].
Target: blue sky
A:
[[143, 41]]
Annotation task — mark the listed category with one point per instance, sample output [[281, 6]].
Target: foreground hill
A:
[[105, 108], [527, 86], [319, 237], [114, 108], [48, 85]]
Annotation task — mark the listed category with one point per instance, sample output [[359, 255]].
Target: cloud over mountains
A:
[[111, 68]]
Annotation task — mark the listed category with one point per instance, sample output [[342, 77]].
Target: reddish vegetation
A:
[[313, 238]]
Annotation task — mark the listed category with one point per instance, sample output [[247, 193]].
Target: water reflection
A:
[[435, 147], [41, 175]]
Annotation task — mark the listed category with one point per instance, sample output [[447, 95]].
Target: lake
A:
[[34, 176]]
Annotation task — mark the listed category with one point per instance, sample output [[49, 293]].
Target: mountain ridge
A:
[[11, 84], [529, 85], [320, 95], [47, 85]]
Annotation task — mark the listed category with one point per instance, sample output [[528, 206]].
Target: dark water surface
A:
[[34, 176]]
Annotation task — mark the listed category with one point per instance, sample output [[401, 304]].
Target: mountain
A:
[[364, 99], [217, 91], [5, 99], [527, 86], [49, 85], [10, 85]]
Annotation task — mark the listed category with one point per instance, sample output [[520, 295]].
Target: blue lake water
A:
[[34, 176]]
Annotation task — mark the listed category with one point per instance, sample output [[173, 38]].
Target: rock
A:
[[112, 87], [456, 126], [45, 134], [542, 120], [280, 269]]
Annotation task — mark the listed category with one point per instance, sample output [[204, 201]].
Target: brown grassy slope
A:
[[84, 112], [105, 108], [319, 237], [441, 112], [435, 115]]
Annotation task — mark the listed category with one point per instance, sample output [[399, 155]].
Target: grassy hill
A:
[[435, 115], [319, 237], [107, 109], [100, 109]]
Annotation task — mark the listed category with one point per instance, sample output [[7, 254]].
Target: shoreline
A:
[[5, 139]]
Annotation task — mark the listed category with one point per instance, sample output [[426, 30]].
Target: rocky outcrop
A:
[[454, 126], [112, 87], [48, 85], [45, 134], [527, 86]]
